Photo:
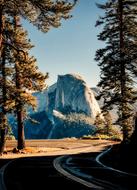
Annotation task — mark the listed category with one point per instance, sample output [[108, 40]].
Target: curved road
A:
[[80, 172], [37, 173], [87, 168]]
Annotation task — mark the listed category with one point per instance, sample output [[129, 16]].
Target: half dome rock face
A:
[[50, 100], [73, 95]]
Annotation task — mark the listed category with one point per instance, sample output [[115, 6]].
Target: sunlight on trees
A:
[[18, 71]]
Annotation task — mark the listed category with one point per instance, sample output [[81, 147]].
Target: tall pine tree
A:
[[117, 60], [43, 14], [27, 77], [6, 103]]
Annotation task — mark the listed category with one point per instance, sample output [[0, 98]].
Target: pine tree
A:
[[27, 77], [108, 123], [117, 60], [43, 14], [5, 90], [99, 123]]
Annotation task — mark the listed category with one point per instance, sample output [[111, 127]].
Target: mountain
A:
[[71, 97], [41, 127], [69, 101], [71, 125], [71, 94]]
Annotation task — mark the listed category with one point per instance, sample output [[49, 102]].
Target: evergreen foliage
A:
[[108, 123], [26, 77], [6, 103], [99, 123], [105, 128], [43, 14], [19, 75], [118, 59]]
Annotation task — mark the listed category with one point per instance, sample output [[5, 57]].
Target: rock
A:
[[15, 150], [72, 94]]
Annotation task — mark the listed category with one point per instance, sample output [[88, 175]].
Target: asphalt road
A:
[[37, 173], [86, 167]]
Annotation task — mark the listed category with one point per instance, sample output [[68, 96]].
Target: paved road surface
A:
[[37, 173], [85, 166]]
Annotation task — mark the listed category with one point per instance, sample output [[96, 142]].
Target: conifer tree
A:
[[5, 73], [108, 122], [27, 77], [43, 14], [99, 123], [117, 60]]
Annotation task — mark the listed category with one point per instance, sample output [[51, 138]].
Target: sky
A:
[[70, 48]]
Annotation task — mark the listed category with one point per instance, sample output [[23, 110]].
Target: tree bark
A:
[[19, 111], [2, 140], [4, 91], [3, 85], [3, 126], [133, 139], [21, 137], [1, 30]]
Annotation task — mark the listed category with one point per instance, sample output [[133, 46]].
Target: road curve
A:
[[58, 162], [37, 173], [87, 167], [82, 171]]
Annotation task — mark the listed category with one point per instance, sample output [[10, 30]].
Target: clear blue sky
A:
[[70, 48]]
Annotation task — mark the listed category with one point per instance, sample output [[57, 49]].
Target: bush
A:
[[10, 137], [103, 137]]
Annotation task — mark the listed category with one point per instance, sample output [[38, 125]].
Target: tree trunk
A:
[[123, 73], [133, 139], [4, 98], [3, 127], [21, 137], [2, 140], [19, 110], [1, 30]]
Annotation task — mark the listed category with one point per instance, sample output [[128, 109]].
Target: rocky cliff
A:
[[71, 94]]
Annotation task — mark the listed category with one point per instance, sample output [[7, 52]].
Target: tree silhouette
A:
[[117, 60]]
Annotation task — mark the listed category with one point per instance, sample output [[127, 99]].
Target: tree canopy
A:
[[118, 59]]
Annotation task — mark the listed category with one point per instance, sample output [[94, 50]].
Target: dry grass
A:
[[55, 147]]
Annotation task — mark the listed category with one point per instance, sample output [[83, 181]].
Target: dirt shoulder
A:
[[55, 147]]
